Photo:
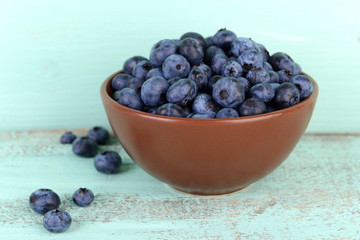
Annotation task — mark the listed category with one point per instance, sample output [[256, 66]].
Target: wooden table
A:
[[314, 194]]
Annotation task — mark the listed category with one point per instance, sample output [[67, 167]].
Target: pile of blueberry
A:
[[222, 76], [47, 202]]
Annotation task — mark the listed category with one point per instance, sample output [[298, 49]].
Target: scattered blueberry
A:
[[129, 98], [130, 63], [85, 147], [120, 81], [191, 50], [175, 66], [182, 92], [304, 85], [241, 44], [205, 104], [198, 37], [258, 75], [223, 38], [229, 92], [282, 61], [250, 59], [141, 69], [227, 113], [199, 76], [170, 110], [44, 200], [218, 62], [161, 50], [262, 91], [154, 72], [274, 77], [57, 221], [286, 95], [83, 197], [232, 69], [108, 162], [284, 76], [67, 137], [252, 106], [99, 134], [153, 91]]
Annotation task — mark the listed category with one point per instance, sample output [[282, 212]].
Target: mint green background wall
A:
[[54, 55]]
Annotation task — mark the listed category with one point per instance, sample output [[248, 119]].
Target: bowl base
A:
[[199, 193]]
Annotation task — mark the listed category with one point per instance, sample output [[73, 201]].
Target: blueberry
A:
[[227, 113], [197, 37], [304, 85], [44, 200], [286, 95], [284, 76], [171, 110], [265, 54], [245, 83], [176, 41], [198, 116], [282, 61], [205, 104], [57, 221], [130, 63], [129, 98], [252, 106], [211, 83], [274, 77], [262, 91], [270, 108], [232, 69], [223, 38], [136, 84], [211, 52], [205, 68], [275, 85], [83, 197], [187, 109], [209, 41], [154, 72], [153, 91], [297, 69], [250, 59], [141, 69], [200, 78], [120, 81], [85, 147], [67, 137], [152, 110], [175, 66], [107, 162], [218, 62], [173, 80], [240, 45], [182, 92], [229, 92], [191, 50], [258, 75], [268, 66], [162, 50], [99, 134]]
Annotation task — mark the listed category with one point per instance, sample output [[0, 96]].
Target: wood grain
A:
[[314, 194]]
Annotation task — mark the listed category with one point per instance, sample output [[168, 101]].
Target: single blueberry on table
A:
[[199, 77], [227, 113], [198, 116], [232, 69], [129, 98], [67, 137], [130, 63], [141, 69], [211, 52], [120, 81], [154, 72], [44, 200], [250, 59], [229, 92], [282, 61], [99, 134], [274, 77], [262, 91], [83, 197], [252, 106], [284, 76], [205, 104], [175, 65], [107, 162], [297, 69], [182, 92], [245, 83], [198, 37], [241, 44], [304, 85], [57, 221], [211, 83], [265, 54], [258, 75], [286, 95], [162, 50], [153, 91], [218, 62], [170, 110], [136, 84], [85, 147], [205, 68], [268, 66], [223, 38], [191, 50]]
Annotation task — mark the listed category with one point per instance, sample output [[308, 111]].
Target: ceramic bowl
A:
[[208, 156]]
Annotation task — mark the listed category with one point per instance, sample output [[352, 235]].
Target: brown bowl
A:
[[208, 156]]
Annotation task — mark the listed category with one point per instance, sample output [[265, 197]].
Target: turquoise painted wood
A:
[[54, 55], [314, 194]]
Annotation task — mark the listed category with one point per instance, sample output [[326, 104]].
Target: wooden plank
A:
[[314, 194]]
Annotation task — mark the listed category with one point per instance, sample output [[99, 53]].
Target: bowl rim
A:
[[108, 99]]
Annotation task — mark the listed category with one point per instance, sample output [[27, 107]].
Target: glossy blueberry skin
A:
[[284, 76], [44, 200], [274, 77], [252, 106], [57, 221], [83, 197], [245, 83], [297, 69], [198, 116], [198, 37], [136, 84], [250, 59], [265, 54], [141, 69], [107, 162], [170, 110], [120, 81], [262, 91], [232, 69], [223, 38], [154, 72], [229, 92], [209, 41], [205, 68], [205, 104], [130, 63], [241, 44], [191, 50], [67, 137], [286, 95], [175, 65], [227, 113], [85, 147], [211, 83], [211, 52], [153, 91], [182, 92], [268, 66], [258, 75], [161, 50], [99, 134], [199, 77], [129, 98], [218, 62], [282, 61], [304, 85]]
